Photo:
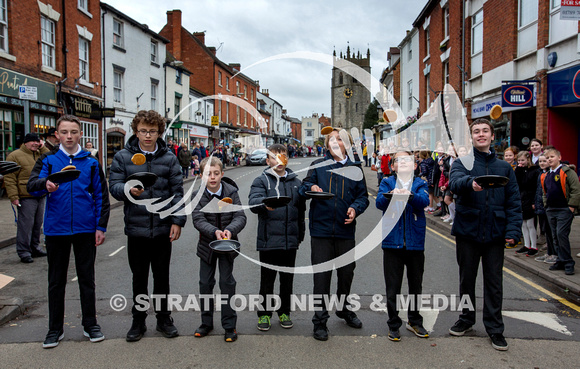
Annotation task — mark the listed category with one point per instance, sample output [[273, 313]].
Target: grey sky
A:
[[249, 31]]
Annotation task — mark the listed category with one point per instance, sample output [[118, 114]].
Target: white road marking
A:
[[548, 320], [115, 252]]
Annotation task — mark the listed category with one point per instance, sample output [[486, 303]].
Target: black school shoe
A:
[[459, 328], [166, 327], [523, 250], [52, 339], [231, 335], [27, 260], [320, 332], [350, 318], [38, 254], [138, 328]]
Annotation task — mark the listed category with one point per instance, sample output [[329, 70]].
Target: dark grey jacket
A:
[[208, 223], [139, 222], [282, 228]]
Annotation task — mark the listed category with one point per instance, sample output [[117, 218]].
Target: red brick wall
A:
[[500, 35]]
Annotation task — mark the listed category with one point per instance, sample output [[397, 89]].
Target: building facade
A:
[[133, 73], [310, 129], [53, 46]]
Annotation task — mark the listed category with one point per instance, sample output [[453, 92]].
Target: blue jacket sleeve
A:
[[421, 197], [382, 202]]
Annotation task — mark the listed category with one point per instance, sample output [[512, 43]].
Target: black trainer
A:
[[166, 327], [138, 328], [394, 335], [498, 342], [231, 335], [557, 266], [94, 333], [459, 328], [202, 331], [38, 254], [418, 330], [350, 318], [52, 339], [522, 250], [320, 332]]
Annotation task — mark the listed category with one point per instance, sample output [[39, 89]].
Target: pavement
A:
[[11, 307]]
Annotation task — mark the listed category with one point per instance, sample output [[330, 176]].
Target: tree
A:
[[371, 115]]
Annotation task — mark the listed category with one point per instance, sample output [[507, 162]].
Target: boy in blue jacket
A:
[[404, 246], [333, 224], [76, 215], [280, 231]]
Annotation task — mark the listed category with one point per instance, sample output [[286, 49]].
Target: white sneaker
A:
[[448, 220]]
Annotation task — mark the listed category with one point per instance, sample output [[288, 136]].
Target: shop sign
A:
[[83, 107], [517, 94], [11, 81], [564, 87]]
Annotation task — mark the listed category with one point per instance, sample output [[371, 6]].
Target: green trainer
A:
[[264, 323], [285, 321]]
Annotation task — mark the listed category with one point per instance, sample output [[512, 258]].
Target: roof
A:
[[424, 12], [144, 27]]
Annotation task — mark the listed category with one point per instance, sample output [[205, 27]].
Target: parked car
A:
[[257, 157]]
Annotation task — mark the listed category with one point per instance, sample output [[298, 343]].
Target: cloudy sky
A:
[[247, 32]]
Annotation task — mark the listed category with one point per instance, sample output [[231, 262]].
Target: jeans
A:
[[58, 255]]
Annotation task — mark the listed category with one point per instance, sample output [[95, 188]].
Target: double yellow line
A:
[[553, 296]]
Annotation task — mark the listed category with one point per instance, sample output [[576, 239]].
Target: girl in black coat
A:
[[527, 177]]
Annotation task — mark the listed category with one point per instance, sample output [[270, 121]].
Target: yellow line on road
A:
[[561, 300]]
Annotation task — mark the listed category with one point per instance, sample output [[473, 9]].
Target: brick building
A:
[[520, 45], [212, 76], [58, 51]]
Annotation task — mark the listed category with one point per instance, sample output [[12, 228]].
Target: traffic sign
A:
[[215, 120], [27, 92]]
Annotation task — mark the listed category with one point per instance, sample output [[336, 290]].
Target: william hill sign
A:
[[517, 94]]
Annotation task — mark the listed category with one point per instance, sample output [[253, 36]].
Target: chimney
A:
[[200, 36], [212, 49], [266, 92], [236, 66], [174, 21]]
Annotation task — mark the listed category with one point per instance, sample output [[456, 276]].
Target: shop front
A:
[[563, 112], [42, 112], [88, 110]]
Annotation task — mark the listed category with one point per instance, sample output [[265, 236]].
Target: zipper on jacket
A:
[[286, 228], [71, 204], [151, 196], [486, 206]]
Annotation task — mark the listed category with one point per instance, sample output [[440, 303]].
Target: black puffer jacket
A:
[[491, 214], [139, 222], [208, 223], [282, 228], [528, 184]]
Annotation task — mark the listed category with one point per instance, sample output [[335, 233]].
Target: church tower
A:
[[349, 97]]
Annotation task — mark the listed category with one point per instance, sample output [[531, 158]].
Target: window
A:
[[83, 59], [428, 91], [153, 52], [117, 33], [238, 114], [43, 123], [308, 133], [410, 50], [190, 105], [90, 133], [427, 40], [340, 79], [6, 133], [446, 72], [339, 108], [237, 87], [118, 86], [252, 95], [227, 112], [154, 89], [3, 26], [528, 12], [308, 124], [477, 33], [410, 94], [219, 102], [228, 83], [177, 105], [178, 76], [83, 5], [47, 37], [446, 20], [219, 78], [560, 29], [245, 92]]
